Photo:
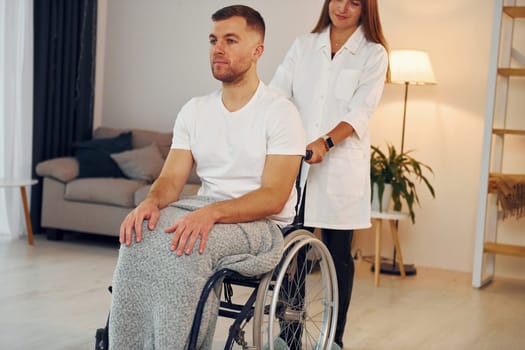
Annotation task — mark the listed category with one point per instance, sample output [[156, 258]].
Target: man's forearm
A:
[[167, 187], [250, 207], [164, 191], [270, 199]]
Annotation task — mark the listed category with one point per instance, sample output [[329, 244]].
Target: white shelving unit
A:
[[487, 246]]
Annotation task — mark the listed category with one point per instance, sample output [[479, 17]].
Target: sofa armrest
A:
[[63, 169]]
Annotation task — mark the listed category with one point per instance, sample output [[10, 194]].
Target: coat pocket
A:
[[347, 173]]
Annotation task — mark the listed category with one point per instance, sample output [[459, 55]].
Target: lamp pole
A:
[[407, 66], [404, 118], [393, 269]]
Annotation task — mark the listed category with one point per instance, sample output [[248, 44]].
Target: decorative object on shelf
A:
[[400, 170], [511, 194], [407, 67]]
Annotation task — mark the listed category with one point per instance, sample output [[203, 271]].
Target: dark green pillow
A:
[[94, 158]]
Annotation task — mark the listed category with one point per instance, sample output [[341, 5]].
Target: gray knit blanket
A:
[[155, 292]]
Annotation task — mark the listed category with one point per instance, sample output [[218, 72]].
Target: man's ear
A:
[[258, 51]]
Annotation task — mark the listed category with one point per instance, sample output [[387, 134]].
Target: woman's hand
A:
[[147, 210], [319, 150]]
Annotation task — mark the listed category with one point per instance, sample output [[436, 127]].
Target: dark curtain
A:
[[64, 81]]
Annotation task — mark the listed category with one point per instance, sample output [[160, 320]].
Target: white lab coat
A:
[[327, 91]]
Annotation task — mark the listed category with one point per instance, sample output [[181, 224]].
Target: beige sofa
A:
[[99, 204]]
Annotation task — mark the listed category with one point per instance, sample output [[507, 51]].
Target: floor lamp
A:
[[407, 67]]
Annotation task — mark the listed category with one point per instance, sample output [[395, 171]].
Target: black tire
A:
[[310, 323], [101, 338]]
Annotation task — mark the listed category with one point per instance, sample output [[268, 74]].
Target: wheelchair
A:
[[296, 302]]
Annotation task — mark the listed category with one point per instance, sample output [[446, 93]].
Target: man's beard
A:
[[230, 76]]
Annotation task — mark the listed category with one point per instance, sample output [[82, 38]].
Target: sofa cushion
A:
[[94, 156], [187, 190], [140, 138], [142, 164], [140, 194], [119, 192]]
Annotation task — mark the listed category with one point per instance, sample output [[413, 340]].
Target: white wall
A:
[[157, 54], [156, 58], [445, 126]]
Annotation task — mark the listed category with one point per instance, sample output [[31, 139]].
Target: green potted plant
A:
[[401, 171]]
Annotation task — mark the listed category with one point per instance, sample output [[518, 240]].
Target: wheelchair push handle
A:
[[308, 155]]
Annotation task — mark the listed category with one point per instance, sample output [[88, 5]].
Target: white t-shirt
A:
[[230, 148]]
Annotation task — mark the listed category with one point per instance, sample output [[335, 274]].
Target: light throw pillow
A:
[[63, 169], [143, 164]]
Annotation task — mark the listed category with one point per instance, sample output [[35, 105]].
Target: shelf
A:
[[504, 249], [512, 72], [508, 132], [515, 11], [493, 180], [503, 174], [501, 196]]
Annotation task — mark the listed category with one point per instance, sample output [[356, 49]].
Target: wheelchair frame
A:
[[271, 309]]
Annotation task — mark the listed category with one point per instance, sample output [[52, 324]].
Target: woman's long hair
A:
[[369, 21]]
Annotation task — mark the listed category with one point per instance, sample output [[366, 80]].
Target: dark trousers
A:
[[339, 243]]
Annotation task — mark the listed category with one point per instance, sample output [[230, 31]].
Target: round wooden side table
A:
[[22, 183], [391, 217]]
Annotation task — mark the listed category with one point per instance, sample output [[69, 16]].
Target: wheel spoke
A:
[[299, 302]]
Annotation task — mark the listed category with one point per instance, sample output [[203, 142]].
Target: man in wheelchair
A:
[[246, 143]]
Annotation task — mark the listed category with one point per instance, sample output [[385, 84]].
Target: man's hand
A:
[[147, 210], [189, 228], [164, 190]]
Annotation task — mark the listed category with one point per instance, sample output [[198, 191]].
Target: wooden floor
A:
[[53, 296]]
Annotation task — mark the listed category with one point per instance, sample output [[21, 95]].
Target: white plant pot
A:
[[387, 197]]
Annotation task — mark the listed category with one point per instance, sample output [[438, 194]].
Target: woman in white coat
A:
[[335, 76]]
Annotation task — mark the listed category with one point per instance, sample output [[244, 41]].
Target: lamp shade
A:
[[411, 66]]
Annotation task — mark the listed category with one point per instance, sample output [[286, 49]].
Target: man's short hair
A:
[[253, 18]]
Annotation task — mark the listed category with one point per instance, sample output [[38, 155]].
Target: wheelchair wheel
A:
[[298, 301]]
